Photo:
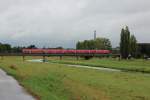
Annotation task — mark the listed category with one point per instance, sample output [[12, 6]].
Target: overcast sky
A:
[[52, 23]]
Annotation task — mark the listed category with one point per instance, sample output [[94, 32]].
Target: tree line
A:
[[7, 48], [128, 45], [98, 43]]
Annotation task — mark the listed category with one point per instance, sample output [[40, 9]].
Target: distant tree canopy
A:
[[5, 48], [128, 44], [133, 46], [31, 47], [99, 43], [59, 47], [17, 49]]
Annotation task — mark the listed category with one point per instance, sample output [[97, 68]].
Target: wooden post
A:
[[44, 59], [2, 57], [77, 57], [23, 58], [119, 57], [60, 57]]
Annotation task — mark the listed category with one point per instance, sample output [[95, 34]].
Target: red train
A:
[[58, 51]]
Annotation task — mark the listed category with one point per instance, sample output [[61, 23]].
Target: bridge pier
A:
[[119, 57], [23, 57], [44, 59], [2, 57], [77, 57], [60, 57]]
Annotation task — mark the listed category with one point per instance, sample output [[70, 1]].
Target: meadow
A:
[[135, 65], [57, 81]]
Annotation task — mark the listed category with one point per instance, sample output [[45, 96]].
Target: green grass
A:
[[49, 81], [139, 65]]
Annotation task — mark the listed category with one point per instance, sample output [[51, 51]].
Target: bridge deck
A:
[[22, 54]]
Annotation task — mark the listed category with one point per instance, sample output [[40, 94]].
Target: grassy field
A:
[[139, 65], [52, 81]]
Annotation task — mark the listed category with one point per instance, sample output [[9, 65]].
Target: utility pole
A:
[[95, 35]]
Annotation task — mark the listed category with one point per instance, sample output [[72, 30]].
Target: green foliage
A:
[[31, 47], [128, 44], [99, 43], [5, 48], [133, 46], [17, 49], [125, 43]]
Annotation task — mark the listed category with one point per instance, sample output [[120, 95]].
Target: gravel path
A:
[[11, 90]]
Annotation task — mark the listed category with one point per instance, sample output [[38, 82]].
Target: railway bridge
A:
[[44, 55]]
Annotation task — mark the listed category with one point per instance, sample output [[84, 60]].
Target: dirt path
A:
[[11, 90]]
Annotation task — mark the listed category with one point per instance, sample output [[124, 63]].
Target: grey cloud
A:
[[64, 22]]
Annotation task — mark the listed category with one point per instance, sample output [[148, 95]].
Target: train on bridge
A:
[[59, 51]]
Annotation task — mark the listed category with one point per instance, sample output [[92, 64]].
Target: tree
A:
[[107, 44], [17, 49], [122, 43], [5, 48], [78, 45], [91, 44], [8, 48], [133, 45], [103, 43], [125, 43], [99, 43], [59, 47], [31, 47]]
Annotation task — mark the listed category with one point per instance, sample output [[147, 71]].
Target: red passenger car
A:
[[56, 51]]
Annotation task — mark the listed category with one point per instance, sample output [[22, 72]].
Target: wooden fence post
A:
[[2, 57], [44, 59], [23, 57], [77, 57], [60, 57]]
